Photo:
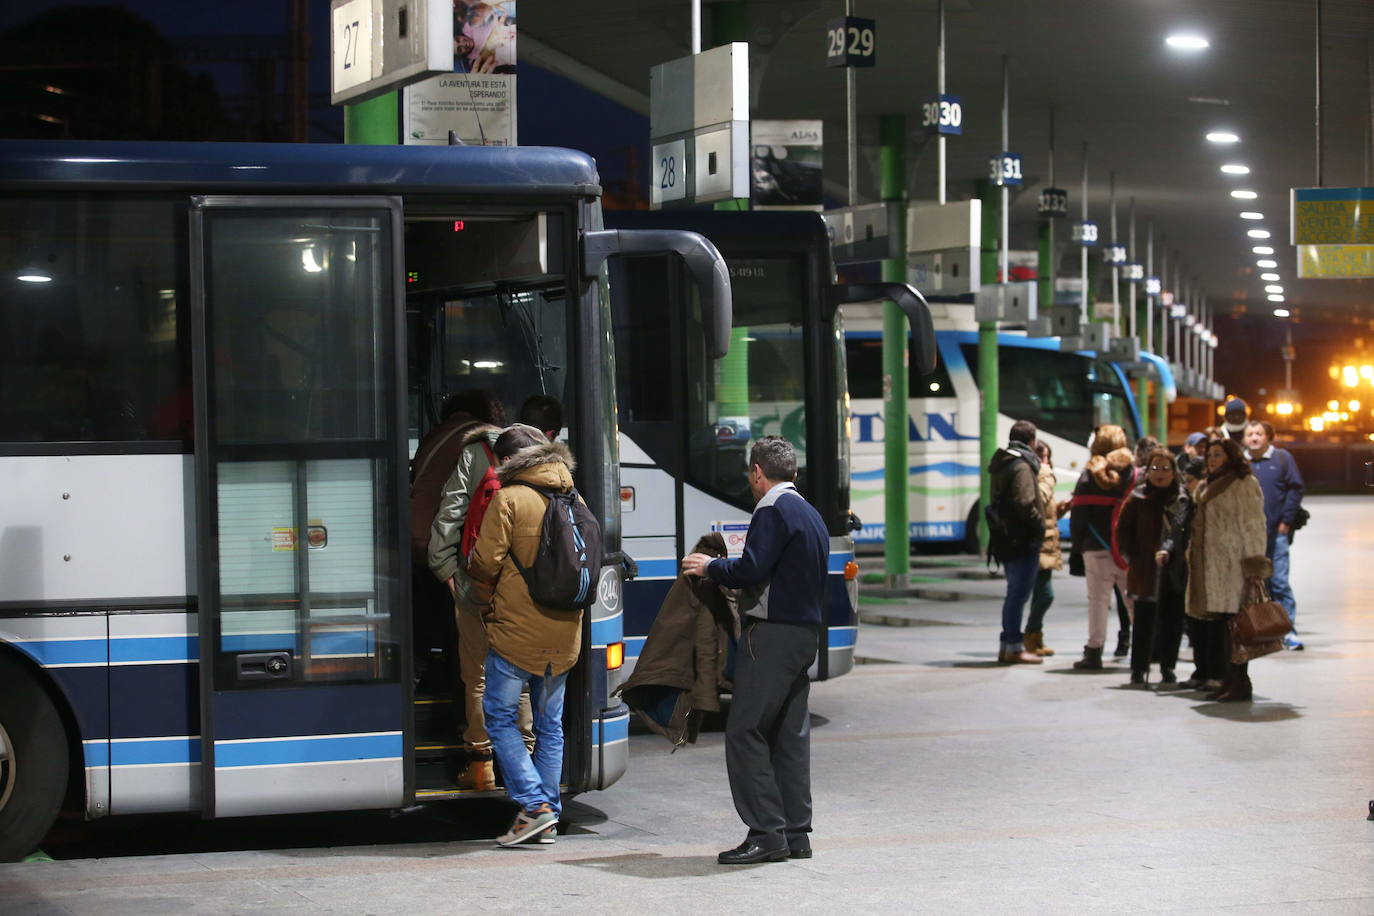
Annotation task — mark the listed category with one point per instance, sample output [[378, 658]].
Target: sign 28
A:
[[850, 42], [945, 115]]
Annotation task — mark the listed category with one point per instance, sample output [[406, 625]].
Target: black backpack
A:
[[566, 564], [1009, 537]]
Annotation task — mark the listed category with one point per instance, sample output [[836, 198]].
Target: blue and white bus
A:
[[1065, 394], [214, 358], [687, 419]]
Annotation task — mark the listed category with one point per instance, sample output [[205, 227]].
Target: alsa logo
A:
[[868, 427], [804, 136]]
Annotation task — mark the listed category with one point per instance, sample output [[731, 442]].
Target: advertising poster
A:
[[785, 162], [478, 99]]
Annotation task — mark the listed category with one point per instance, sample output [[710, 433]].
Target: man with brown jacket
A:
[[1016, 501], [529, 644]]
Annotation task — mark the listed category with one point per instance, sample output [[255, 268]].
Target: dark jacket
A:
[[1014, 470], [1150, 519], [1104, 482], [785, 562], [681, 669], [1282, 485], [435, 459]]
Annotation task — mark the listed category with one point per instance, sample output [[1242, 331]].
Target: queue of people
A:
[[1183, 542]]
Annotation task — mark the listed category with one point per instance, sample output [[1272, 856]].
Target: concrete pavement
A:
[[943, 784]]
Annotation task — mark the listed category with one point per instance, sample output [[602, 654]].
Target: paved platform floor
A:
[[943, 784]]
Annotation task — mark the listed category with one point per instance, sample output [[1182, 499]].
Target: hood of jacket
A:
[[1107, 470], [547, 464], [1002, 459]]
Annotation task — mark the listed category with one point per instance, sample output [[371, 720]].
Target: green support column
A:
[[896, 440], [374, 122], [1044, 269], [989, 394]]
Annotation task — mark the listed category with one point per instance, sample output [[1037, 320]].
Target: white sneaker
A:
[[528, 827]]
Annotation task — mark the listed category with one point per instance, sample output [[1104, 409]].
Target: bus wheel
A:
[[971, 529], [33, 763]]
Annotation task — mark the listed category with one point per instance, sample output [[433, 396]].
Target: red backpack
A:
[[477, 506]]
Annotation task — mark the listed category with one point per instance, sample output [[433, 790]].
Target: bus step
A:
[[437, 720]]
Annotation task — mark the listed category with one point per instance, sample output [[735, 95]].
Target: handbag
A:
[[1260, 625]]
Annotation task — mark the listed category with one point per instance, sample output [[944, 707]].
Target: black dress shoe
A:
[[748, 853], [799, 852]]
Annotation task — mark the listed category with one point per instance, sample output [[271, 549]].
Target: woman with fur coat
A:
[[1051, 557], [1104, 483], [1226, 553]]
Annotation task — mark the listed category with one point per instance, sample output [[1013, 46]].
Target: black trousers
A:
[[1158, 629], [1209, 648], [768, 734]]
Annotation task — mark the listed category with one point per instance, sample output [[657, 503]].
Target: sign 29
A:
[[1005, 169], [850, 42], [945, 115]]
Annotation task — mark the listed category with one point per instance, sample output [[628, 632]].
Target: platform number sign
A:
[[1054, 203], [1152, 286], [851, 42], [1132, 272], [1085, 233], [1114, 255], [351, 44], [944, 115], [1005, 169], [670, 173]]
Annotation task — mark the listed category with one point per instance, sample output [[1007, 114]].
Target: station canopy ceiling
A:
[[1142, 107]]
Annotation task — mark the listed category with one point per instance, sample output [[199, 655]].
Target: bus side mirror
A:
[[908, 299], [703, 260]]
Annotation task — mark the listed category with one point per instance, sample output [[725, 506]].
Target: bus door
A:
[[300, 502]]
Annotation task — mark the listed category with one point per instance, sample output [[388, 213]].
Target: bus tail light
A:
[[851, 571], [615, 655]]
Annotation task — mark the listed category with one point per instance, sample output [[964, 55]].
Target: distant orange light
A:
[[615, 655], [851, 571]]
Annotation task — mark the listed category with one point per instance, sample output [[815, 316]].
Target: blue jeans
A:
[[1021, 574], [1279, 588], [531, 780]]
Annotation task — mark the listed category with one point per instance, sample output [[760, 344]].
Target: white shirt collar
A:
[[1267, 453], [785, 485]]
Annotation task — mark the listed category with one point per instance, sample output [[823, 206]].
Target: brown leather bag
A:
[[1258, 629]]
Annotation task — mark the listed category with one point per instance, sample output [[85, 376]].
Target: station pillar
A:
[[896, 439], [989, 395], [375, 122]]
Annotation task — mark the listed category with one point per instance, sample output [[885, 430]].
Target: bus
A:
[[1065, 394], [687, 420], [216, 359]]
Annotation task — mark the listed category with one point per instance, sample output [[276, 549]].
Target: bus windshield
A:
[[1064, 394], [759, 388]]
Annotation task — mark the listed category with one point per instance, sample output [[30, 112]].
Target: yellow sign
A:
[[283, 538], [1335, 262], [1333, 216]]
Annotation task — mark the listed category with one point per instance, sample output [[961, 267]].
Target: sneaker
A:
[[1292, 643], [549, 836], [528, 827]]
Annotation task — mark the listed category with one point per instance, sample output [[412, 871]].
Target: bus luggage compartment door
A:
[[300, 489]]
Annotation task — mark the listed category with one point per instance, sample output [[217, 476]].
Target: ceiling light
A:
[[1269, 278], [1280, 313], [1267, 265], [1235, 169], [1244, 195], [1186, 42], [1251, 214], [1222, 136], [34, 275], [1273, 288], [1275, 297], [1258, 233], [1262, 249]]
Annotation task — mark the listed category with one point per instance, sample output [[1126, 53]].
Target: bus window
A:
[[759, 388], [1064, 394], [864, 354], [90, 349]]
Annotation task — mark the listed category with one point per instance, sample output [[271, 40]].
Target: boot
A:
[[1091, 660], [1123, 642], [1035, 642], [479, 773], [1014, 653], [1239, 689]]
